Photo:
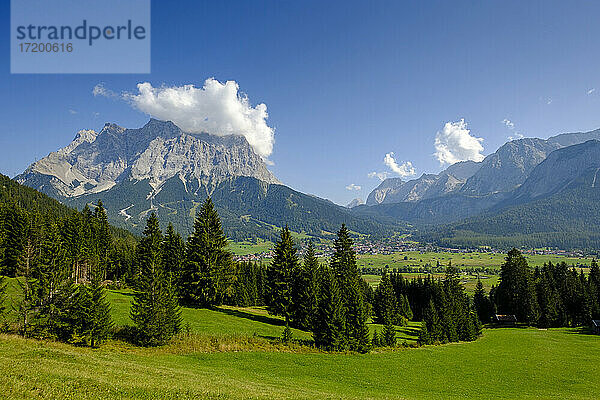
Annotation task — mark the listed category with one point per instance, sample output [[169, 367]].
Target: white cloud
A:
[[352, 186], [216, 108], [454, 143], [592, 90], [509, 124], [71, 111], [516, 137], [404, 169], [382, 176], [100, 90]]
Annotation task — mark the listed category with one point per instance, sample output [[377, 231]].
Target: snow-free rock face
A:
[[355, 203], [395, 190], [509, 166], [500, 172], [95, 162], [577, 165]]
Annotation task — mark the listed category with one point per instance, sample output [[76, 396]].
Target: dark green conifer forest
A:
[[64, 261]]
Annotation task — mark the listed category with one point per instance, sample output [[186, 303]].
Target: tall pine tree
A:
[[280, 276], [173, 255], [343, 263], [152, 309], [209, 273], [304, 291], [328, 330], [516, 293], [481, 302]]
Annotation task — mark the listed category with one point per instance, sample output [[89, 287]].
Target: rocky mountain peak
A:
[[95, 162]]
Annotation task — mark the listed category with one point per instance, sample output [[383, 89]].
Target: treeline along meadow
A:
[[64, 260], [550, 296]]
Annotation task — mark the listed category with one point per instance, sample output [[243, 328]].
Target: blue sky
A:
[[345, 83]]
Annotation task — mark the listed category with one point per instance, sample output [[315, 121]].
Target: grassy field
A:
[[503, 364], [237, 321], [462, 260], [247, 247], [232, 353]]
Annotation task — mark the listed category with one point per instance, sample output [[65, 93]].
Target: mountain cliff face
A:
[[395, 190], [95, 162], [499, 173], [508, 167], [557, 206], [576, 165], [159, 168]]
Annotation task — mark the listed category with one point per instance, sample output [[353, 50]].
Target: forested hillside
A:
[[567, 220], [557, 206], [249, 208], [30, 220]]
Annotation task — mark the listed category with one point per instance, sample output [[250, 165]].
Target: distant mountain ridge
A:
[[95, 162], [500, 172], [159, 168], [558, 205]]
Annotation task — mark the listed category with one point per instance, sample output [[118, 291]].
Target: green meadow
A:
[[417, 259], [234, 353], [503, 364]]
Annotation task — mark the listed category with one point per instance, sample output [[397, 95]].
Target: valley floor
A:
[[503, 364]]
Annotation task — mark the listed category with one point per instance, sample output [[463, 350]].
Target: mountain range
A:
[[159, 168], [529, 191]]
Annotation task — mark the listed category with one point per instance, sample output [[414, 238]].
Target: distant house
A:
[[596, 326], [505, 319]]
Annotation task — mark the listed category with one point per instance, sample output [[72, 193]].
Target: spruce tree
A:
[[100, 322], [71, 232], [280, 275], [343, 263], [386, 306], [594, 289], [152, 309], [16, 222], [481, 302], [208, 276], [516, 292], [357, 332], [50, 268], [328, 331], [424, 335], [389, 335], [375, 341], [102, 240], [304, 291], [26, 270], [432, 324], [404, 309], [173, 255]]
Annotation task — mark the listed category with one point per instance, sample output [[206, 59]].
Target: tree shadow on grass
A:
[[408, 331], [253, 317], [582, 330], [123, 292]]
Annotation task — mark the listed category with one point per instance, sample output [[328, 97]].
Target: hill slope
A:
[[248, 207], [558, 205], [504, 364]]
